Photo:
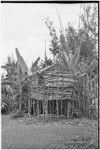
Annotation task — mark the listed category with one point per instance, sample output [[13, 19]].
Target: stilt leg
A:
[[61, 107], [47, 109], [29, 112], [52, 107], [33, 107], [38, 108], [57, 109], [68, 110], [43, 111]]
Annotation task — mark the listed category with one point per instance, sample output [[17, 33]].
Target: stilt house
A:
[[52, 91]]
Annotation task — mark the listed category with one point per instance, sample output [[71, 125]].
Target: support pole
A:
[[33, 107], [38, 108], [68, 110], [43, 111], [72, 107], [61, 107], [52, 107], [29, 100], [29, 106], [57, 109], [64, 108], [47, 109]]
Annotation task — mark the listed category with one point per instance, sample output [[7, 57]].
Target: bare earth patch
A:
[[30, 133]]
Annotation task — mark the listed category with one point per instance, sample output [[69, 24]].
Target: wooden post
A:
[[29, 106], [52, 107], [68, 110], [29, 100], [64, 108], [33, 106], [72, 108], [61, 107], [12, 101], [43, 110], [57, 109], [38, 108], [47, 109]]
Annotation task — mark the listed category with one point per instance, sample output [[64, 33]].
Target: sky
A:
[[22, 26]]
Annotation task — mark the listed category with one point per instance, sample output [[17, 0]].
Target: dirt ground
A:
[[28, 133]]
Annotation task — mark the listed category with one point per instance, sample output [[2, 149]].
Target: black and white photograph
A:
[[49, 75]]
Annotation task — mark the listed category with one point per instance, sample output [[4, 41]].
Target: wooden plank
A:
[[54, 91], [65, 85], [55, 80]]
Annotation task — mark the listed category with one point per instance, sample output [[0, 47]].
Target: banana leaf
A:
[[21, 62]]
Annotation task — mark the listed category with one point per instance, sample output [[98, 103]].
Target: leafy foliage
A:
[[11, 84], [72, 39], [90, 29], [54, 48]]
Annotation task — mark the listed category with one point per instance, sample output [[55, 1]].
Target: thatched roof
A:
[[56, 66]]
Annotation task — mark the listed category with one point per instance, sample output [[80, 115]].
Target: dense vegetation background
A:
[[75, 49]]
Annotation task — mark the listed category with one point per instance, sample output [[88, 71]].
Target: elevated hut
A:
[[52, 91]]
